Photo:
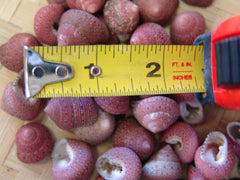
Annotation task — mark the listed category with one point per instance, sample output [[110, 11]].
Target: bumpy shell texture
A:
[[156, 113], [215, 159], [11, 53], [72, 112], [71, 159], [46, 21], [114, 105], [150, 33], [90, 6], [164, 164], [34, 142], [157, 11], [184, 140], [15, 103], [121, 16], [98, 132], [132, 135], [186, 27], [119, 163], [77, 27]]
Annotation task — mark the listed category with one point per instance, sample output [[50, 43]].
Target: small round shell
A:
[[156, 113], [34, 142]]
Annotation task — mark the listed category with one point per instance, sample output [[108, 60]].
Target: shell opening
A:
[[109, 168], [216, 147], [62, 154], [233, 130], [191, 112]]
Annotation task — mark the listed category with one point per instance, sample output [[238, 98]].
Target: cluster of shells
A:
[[152, 136]]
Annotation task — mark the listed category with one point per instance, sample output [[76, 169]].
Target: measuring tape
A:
[[123, 70]]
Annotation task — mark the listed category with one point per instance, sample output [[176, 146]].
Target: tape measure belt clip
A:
[[38, 72]]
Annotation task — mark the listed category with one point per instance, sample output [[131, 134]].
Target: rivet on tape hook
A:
[[38, 72]]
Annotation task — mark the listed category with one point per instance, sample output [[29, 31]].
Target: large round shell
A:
[[156, 113], [34, 142], [72, 112]]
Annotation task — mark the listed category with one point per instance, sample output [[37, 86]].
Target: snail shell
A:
[[215, 159], [119, 163], [164, 164], [72, 112], [156, 113], [71, 159], [15, 103], [132, 135], [34, 142], [114, 105]]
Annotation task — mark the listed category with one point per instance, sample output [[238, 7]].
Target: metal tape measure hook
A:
[[38, 72]]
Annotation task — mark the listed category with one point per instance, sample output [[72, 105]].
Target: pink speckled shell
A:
[[157, 11], [128, 163], [215, 159], [164, 164], [121, 16], [194, 174], [77, 27], [90, 6], [184, 139], [150, 33], [34, 142], [114, 105], [45, 20], [98, 132], [11, 53], [186, 27], [71, 159], [15, 103], [156, 113], [72, 112], [132, 135]]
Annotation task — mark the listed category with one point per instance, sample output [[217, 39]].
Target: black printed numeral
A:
[[153, 73]]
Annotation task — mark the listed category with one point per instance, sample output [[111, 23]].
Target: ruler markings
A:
[[137, 86], [179, 55]]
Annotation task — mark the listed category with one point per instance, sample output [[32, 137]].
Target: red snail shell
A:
[[215, 159], [15, 103], [71, 159], [156, 113], [184, 140], [98, 132], [186, 27], [119, 163], [34, 142], [72, 112], [45, 21], [164, 164], [132, 135], [114, 105]]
